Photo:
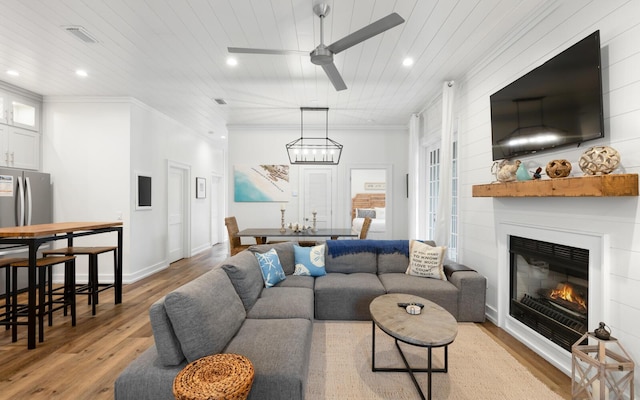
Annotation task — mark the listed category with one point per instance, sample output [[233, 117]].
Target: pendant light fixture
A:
[[314, 150]]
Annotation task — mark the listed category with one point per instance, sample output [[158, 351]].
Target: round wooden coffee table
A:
[[218, 376], [433, 327]]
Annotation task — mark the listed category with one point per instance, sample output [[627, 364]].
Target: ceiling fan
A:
[[323, 55]]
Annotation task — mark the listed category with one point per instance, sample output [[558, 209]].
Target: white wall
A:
[[85, 148], [361, 176], [93, 149], [617, 218], [367, 147]]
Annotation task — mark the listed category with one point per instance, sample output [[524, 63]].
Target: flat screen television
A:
[[557, 104]]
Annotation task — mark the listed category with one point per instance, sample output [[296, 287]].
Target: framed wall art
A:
[[201, 188]]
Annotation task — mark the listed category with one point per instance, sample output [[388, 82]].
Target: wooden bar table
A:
[[34, 236]]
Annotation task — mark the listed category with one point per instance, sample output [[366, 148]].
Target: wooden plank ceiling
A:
[[171, 54]]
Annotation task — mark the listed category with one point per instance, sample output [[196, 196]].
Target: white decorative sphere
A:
[[599, 160]]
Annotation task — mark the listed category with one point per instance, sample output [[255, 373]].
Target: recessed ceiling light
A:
[[223, 137], [13, 72], [407, 62], [81, 73], [232, 62]]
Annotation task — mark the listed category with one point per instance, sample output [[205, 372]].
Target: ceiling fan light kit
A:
[[322, 55], [314, 150]]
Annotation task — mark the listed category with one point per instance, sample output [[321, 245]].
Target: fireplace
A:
[[561, 256], [549, 289]]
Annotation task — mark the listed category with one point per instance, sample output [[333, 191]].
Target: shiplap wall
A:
[[618, 218]]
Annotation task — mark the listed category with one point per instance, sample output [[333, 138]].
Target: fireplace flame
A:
[[566, 292]]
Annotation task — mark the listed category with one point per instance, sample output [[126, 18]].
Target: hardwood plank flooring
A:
[[83, 362]]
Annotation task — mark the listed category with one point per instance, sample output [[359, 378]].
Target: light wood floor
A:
[[83, 362]]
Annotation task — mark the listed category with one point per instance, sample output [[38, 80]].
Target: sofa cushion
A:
[[285, 254], [309, 260], [147, 378], [244, 271], [443, 293], [169, 350], [351, 256], [298, 281], [272, 272], [426, 261], [393, 256], [346, 296], [205, 313], [279, 350], [283, 302]]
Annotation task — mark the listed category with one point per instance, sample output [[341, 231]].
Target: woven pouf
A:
[[219, 376]]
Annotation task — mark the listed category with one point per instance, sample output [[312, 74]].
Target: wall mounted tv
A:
[[557, 104]]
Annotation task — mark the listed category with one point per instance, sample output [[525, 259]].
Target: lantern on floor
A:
[[601, 369]]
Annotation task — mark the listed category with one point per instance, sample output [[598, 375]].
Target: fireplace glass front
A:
[[549, 289]]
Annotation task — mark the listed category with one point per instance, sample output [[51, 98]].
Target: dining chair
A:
[[365, 228], [235, 245]]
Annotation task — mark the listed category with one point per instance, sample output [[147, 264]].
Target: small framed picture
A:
[[143, 192], [201, 188]]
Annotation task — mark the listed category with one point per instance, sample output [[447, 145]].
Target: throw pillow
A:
[[365, 212], [426, 261], [380, 212], [309, 260], [271, 268]]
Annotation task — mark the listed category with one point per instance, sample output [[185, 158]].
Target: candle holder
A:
[[313, 229], [282, 228]]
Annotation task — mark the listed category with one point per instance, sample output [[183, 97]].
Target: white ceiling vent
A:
[[81, 33]]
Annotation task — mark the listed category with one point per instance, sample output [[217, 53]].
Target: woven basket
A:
[[219, 376]]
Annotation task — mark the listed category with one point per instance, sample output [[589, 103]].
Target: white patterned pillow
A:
[[426, 261], [309, 260], [365, 212]]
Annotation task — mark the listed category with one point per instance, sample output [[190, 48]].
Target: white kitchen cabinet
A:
[[19, 148], [19, 111]]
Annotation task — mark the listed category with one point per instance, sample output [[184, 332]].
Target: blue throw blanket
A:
[[337, 248]]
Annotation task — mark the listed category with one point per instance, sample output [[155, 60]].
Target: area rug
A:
[[479, 368]]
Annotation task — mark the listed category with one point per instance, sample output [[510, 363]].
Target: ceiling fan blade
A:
[[246, 50], [334, 76], [365, 33]]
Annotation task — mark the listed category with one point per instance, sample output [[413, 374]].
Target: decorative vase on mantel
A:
[[599, 160], [558, 169]]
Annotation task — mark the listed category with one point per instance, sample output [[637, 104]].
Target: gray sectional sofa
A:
[[229, 310]]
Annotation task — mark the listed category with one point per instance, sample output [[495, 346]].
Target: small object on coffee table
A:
[[218, 376]]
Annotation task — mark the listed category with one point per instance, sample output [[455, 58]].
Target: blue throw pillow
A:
[[271, 268], [309, 260]]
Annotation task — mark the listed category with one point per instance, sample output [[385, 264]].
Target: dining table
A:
[[33, 236], [261, 234]]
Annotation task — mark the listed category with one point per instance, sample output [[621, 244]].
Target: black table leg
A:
[[411, 371]]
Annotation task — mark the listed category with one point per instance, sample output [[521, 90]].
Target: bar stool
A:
[[6, 264], [49, 299], [93, 287]]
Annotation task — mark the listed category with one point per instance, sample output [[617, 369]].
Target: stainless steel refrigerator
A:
[[25, 199]]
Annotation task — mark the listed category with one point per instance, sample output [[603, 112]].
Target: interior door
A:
[[176, 218], [317, 194]]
